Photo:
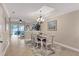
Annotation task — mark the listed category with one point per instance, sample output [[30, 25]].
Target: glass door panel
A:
[[17, 29]]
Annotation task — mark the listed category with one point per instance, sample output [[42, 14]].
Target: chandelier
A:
[[20, 21], [40, 19]]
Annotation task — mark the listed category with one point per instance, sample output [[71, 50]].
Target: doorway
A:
[[17, 30]]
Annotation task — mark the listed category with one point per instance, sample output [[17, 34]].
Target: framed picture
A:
[[52, 25]]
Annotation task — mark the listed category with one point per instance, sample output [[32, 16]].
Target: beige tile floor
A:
[[19, 48]]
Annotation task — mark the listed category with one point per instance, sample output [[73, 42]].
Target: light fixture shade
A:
[[40, 19]]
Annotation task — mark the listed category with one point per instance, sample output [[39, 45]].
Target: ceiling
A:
[[30, 11]]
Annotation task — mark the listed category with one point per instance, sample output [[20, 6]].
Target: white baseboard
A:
[[67, 46], [5, 49]]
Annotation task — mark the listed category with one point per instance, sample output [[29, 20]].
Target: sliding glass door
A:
[[17, 29]]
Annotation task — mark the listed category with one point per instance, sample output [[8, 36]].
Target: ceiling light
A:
[[20, 21], [40, 18]]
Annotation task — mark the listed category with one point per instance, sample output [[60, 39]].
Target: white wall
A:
[[4, 34], [68, 29]]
